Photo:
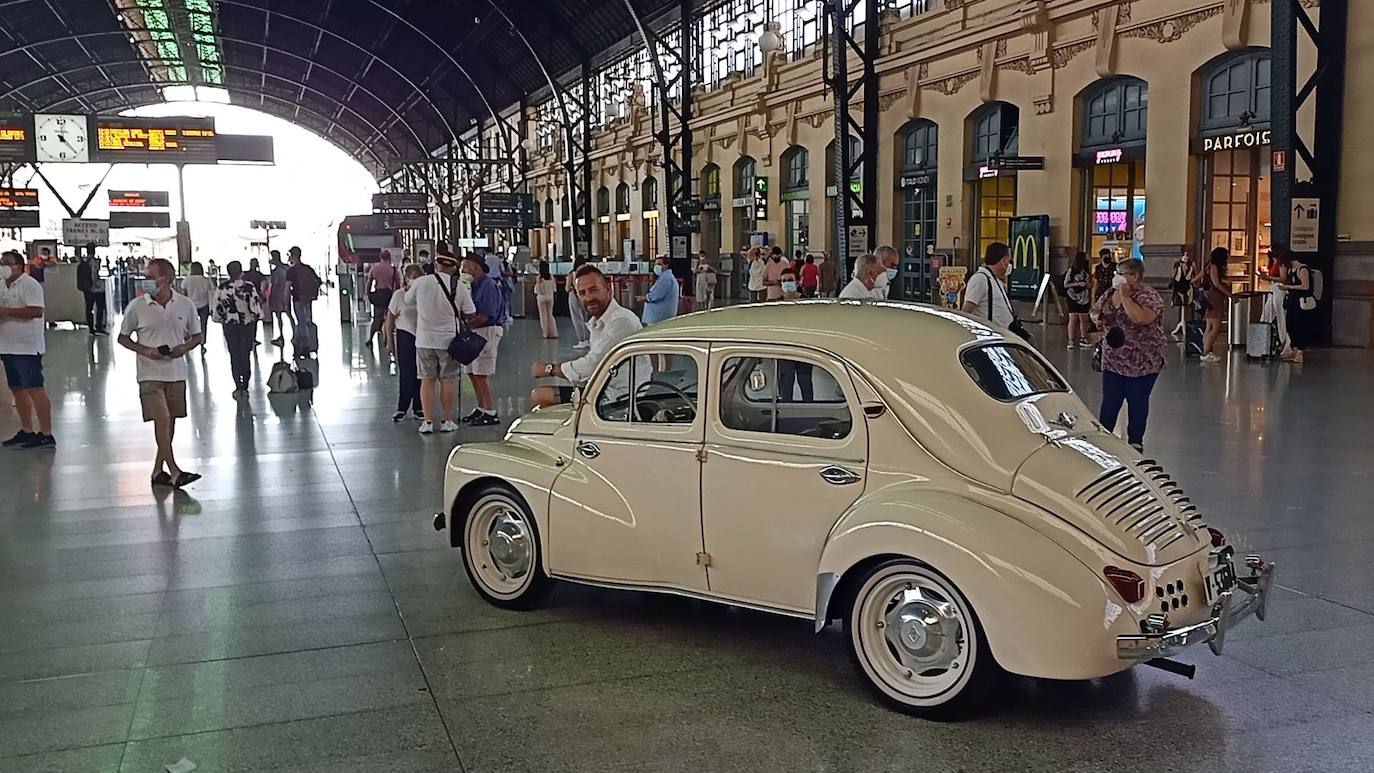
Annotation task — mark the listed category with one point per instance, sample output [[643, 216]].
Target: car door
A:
[[627, 507], [786, 455]]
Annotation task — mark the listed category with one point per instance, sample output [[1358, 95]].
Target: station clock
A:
[[62, 138]]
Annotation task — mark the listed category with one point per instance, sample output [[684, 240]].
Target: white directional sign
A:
[[78, 232], [1306, 218], [858, 240]]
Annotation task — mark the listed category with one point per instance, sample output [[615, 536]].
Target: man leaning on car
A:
[[609, 323]]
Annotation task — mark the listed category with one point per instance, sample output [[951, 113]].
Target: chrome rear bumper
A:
[[1250, 596]]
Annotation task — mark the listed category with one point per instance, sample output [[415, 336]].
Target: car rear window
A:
[[1009, 372]]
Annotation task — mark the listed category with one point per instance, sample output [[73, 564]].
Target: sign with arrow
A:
[[1303, 236]]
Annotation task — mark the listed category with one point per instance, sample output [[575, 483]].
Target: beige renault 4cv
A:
[[928, 479]]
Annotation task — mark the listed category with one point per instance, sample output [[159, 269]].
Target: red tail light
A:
[[1218, 539], [1129, 584]]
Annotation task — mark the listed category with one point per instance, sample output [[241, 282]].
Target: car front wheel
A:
[[501, 550], [917, 641]]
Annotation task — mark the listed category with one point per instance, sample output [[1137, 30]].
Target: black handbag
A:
[[466, 345]]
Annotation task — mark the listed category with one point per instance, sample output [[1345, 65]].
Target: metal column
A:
[[839, 15], [1311, 165]]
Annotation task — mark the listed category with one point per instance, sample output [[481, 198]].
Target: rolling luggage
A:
[[306, 339], [1192, 338], [1262, 341]]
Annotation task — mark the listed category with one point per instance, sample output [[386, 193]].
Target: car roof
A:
[[860, 330]]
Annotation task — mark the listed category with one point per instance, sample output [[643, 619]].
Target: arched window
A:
[[794, 162], [649, 191], [920, 145], [855, 150], [603, 201], [1235, 90], [1115, 112], [622, 198], [995, 129], [567, 209], [548, 211], [744, 176], [710, 181]]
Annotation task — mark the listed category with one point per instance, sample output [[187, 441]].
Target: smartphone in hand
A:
[[165, 350]]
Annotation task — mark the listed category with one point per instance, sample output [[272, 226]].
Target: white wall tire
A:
[[501, 550], [917, 641]]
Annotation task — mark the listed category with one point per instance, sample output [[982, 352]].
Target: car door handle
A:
[[839, 476], [589, 449]]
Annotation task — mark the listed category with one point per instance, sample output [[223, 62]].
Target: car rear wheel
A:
[[501, 550], [917, 641]]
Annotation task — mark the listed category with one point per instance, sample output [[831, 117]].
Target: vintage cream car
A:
[[928, 479]]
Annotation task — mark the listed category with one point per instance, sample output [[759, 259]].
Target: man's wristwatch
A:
[[548, 369]]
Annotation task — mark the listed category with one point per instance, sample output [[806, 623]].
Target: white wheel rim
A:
[[914, 635], [499, 546]]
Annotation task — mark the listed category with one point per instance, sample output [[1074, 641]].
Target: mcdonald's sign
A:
[[1030, 246]]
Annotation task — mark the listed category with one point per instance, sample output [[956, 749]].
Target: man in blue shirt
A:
[[491, 312], [662, 301]]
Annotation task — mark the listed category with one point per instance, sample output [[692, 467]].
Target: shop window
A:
[[650, 389], [1240, 191], [1236, 90], [996, 208], [920, 145], [1116, 208], [784, 397], [794, 163], [996, 127], [1115, 112], [622, 199]]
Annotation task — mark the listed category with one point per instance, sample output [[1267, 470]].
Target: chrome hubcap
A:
[[500, 546], [922, 633], [509, 544]]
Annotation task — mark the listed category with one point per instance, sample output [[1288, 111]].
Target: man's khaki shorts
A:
[[435, 364], [485, 364], [162, 397]]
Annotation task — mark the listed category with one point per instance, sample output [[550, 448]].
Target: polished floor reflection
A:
[[295, 610]]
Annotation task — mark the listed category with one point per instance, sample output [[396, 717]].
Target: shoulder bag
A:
[[1015, 326], [466, 345]]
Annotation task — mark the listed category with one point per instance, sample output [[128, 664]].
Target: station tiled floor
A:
[[296, 611]]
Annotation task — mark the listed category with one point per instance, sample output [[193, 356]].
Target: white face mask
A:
[[789, 287], [1118, 281], [6, 273], [880, 281], [465, 278]]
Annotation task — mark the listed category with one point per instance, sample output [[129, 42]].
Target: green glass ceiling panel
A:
[[177, 31]]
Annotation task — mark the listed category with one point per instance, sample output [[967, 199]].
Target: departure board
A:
[[138, 199], [16, 139], [18, 198], [155, 140]]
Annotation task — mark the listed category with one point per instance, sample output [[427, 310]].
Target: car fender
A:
[[528, 465], [1044, 613]]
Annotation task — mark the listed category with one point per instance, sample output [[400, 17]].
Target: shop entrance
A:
[[1116, 209], [1236, 210], [918, 238], [798, 236]]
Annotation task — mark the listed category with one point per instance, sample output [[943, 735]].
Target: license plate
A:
[[1219, 579]]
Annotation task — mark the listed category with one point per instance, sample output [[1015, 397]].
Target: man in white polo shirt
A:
[[609, 323], [21, 350], [161, 327]]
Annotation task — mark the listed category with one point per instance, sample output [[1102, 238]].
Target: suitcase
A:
[[1262, 341], [306, 339], [1192, 337]]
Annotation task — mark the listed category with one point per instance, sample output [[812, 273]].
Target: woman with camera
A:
[[1132, 314]]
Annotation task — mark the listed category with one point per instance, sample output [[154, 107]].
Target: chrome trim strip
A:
[[690, 594]]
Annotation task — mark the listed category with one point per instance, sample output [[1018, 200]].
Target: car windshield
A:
[[1009, 372]]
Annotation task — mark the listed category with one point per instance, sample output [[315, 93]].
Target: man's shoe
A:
[[426, 427], [485, 420], [472, 417], [448, 426], [40, 440], [19, 439], [418, 416], [278, 341], [398, 417]]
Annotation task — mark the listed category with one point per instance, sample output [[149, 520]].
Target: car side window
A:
[[650, 389], [782, 396]]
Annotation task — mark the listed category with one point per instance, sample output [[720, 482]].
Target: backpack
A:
[[282, 379]]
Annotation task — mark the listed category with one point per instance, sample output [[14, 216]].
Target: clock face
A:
[[62, 138]]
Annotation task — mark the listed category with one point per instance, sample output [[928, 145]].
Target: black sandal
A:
[[185, 479], [162, 479]]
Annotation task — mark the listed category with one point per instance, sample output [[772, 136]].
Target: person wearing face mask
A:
[[791, 288], [867, 281], [161, 327], [399, 331], [22, 345], [772, 275], [1132, 313], [887, 254], [985, 294], [490, 301], [438, 299], [662, 300]]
